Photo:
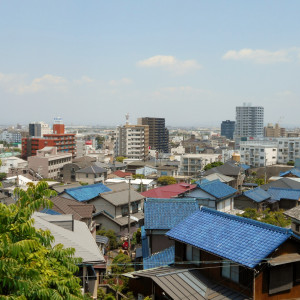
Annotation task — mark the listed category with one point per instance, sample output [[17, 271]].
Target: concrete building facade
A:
[[132, 141], [48, 162], [227, 129], [158, 133], [274, 131]]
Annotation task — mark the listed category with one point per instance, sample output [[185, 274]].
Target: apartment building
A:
[[249, 121], [258, 153], [191, 164], [65, 142], [38, 129], [274, 131], [158, 133], [132, 141], [288, 149], [48, 162], [11, 136]]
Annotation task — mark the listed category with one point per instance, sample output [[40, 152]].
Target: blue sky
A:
[[192, 62]]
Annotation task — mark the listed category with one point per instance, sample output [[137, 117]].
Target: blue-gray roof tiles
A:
[[217, 189], [257, 195], [87, 192], [166, 213], [294, 171], [280, 193], [163, 258], [244, 241]]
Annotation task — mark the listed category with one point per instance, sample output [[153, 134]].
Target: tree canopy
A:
[[30, 268], [271, 217], [166, 180], [213, 165], [120, 158]]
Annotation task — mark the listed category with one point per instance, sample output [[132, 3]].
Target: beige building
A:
[[48, 163], [274, 131], [132, 141]]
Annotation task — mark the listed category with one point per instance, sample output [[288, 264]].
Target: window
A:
[[193, 255], [87, 175], [135, 207], [281, 278], [124, 210], [230, 270]]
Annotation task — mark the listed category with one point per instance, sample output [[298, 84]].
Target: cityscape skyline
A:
[[158, 59]]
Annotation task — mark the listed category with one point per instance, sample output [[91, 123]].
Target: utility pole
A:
[[129, 244]]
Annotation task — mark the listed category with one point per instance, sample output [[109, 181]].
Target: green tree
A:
[[121, 264], [290, 163], [271, 217], [166, 180], [138, 176], [2, 176], [113, 241], [213, 165], [259, 181], [30, 268], [120, 158]]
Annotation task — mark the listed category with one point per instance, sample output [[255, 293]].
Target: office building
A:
[[38, 129], [274, 131], [227, 129], [158, 133], [249, 122], [65, 142], [132, 141]]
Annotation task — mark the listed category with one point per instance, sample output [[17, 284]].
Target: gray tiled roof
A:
[[121, 197], [94, 169], [293, 213], [80, 239], [284, 182], [60, 188]]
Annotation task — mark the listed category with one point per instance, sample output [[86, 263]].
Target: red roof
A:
[[169, 191], [122, 174]]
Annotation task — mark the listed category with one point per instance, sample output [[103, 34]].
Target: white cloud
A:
[[261, 56], [15, 84], [170, 63], [123, 81], [84, 79]]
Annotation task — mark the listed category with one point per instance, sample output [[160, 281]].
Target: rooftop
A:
[[244, 241], [163, 258], [294, 171], [166, 213], [87, 192], [280, 193], [169, 191], [217, 188], [293, 213], [257, 195]]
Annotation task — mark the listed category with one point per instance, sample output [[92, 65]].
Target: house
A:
[[294, 214], [68, 170], [160, 216], [284, 198], [92, 174], [111, 203], [75, 234], [256, 198], [121, 174], [214, 194], [167, 171], [146, 171], [230, 169], [80, 211], [283, 182], [223, 178], [258, 260], [295, 172], [169, 191]]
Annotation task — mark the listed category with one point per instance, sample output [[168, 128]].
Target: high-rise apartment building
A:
[[249, 122], [64, 142], [132, 141], [38, 129], [158, 133], [227, 129]]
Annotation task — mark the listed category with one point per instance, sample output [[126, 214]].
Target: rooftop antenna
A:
[[127, 118]]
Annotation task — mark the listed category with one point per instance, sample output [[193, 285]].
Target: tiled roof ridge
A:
[[172, 200], [247, 220], [285, 189], [118, 191], [85, 187], [210, 182]]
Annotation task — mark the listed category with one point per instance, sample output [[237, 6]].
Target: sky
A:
[[191, 62]]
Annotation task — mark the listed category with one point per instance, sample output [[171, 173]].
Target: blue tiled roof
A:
[[294, 171], [238, 239], [166, 213], [87, 192], [257, 195], [145, 245], [217, 188], [163, 258], [280, 193], [245, 167], [50, 211], [204, 180]]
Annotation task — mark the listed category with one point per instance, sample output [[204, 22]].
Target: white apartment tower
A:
[[249, 122], [132, 141]]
